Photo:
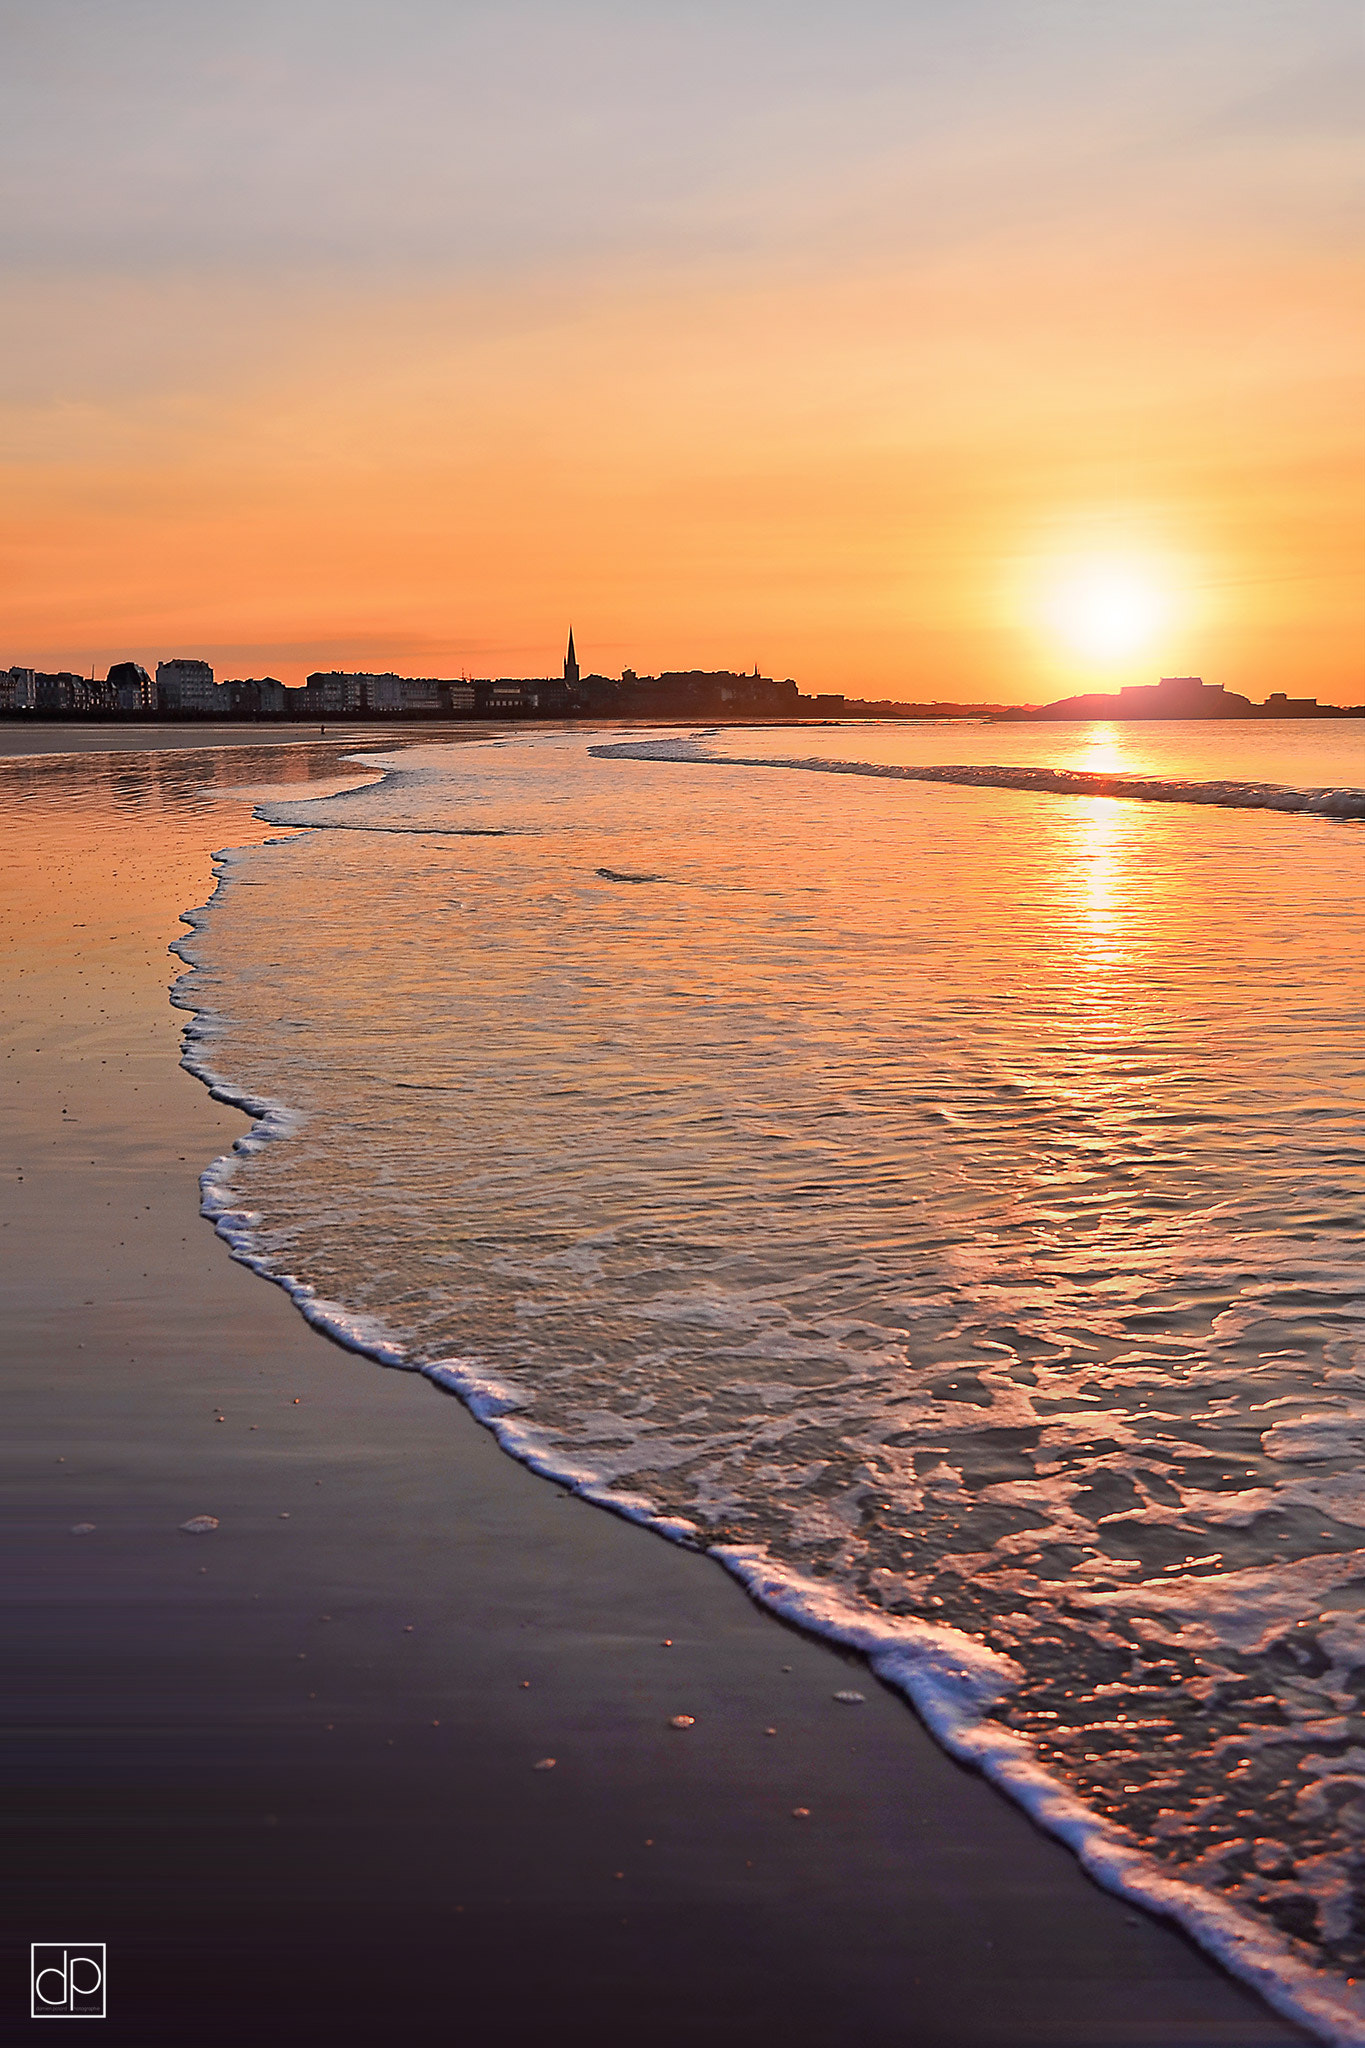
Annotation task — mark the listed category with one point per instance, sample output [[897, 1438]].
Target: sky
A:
[[983, 349]]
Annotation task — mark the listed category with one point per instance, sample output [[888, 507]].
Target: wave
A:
[[271, 813], [1149, 789], [949, 1677]]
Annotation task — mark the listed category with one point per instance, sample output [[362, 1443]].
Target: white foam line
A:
[[404, 831], [949, 1678], [1152, 789]]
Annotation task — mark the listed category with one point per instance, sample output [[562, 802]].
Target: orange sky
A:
[[839, 352]]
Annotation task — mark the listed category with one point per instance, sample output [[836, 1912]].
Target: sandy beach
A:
[[286, 1769]]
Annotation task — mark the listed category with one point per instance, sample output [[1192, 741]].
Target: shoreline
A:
[[394, 1821], [946, 1677]]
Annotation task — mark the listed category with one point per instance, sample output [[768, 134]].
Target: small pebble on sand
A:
[[82, 1528], [547, 1763], [683, 1721], [800, 1813], [850, 1699], [199, 1525]]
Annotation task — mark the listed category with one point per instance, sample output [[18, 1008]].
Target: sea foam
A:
[[933, 1277], [1151, 789]]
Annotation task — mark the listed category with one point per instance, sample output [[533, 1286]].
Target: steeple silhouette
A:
[[571, 662]]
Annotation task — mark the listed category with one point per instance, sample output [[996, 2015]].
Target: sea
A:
[[920, 1166]]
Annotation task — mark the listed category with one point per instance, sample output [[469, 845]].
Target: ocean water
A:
[[942, 1200]]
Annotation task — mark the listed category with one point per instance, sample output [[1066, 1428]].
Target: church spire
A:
[[571, 662]]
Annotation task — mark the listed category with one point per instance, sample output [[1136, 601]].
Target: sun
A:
[[1107, 611]]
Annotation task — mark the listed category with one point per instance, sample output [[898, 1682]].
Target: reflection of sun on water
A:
[[1099, 865], [1102, 751]]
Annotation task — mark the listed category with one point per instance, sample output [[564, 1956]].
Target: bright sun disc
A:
[[1107, 613]]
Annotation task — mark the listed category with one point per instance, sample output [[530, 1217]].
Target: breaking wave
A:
[[1149, 789]]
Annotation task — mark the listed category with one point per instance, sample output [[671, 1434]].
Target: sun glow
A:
[[1107, 611]]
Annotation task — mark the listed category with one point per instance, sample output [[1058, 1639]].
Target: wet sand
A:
[[285, 1769], [48, 737]]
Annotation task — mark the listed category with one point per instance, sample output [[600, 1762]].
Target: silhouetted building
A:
[[57, 691], [18, 689], [186, 685], [1182, 697], [1172, 697], [552, 699], [92, 696], [506, 698], [571, 665], [337, 693], [605, 696], [377, 692], [1278, 705], [403, 694], [333, 695], [723, 692], [131, 687], [254, 697]]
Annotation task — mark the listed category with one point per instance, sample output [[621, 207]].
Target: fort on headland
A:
[[1179, 697], [185, 688]]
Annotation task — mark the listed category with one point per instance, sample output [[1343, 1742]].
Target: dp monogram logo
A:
[[67, 1980]]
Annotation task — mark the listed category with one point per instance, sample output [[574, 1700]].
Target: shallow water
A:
[[944, 1201]]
